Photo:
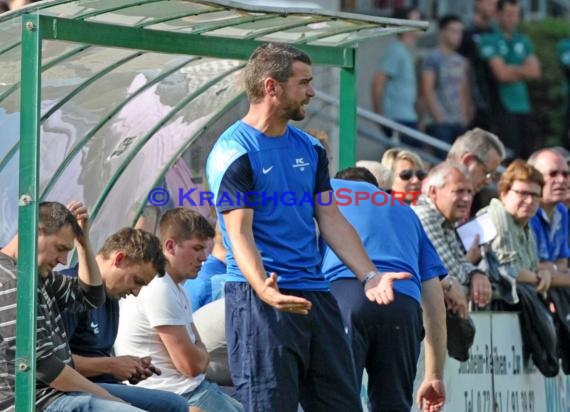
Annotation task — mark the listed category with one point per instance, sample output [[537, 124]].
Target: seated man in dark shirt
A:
[[58, 385], [128, 260]]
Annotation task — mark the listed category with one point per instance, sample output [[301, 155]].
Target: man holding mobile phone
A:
[[128, 260]]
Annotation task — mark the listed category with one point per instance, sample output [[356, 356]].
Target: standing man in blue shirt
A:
[[395, 241], [285, 332]]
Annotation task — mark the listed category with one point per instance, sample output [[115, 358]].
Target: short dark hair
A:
[[273, 60], [357, 174], [182, 224], [53, 216], [138, 245], [502, 3], [447, 20]]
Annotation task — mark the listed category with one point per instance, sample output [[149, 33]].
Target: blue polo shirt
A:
[[551, 236], [393, 237], [93, 333], [199, 290], [247, 169]]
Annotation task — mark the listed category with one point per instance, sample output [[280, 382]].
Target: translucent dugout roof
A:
[[118, 120]]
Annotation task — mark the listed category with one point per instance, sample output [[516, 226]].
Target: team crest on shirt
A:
[[300, 164]]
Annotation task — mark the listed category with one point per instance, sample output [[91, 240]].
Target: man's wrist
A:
[[369, 276], [447, 284]]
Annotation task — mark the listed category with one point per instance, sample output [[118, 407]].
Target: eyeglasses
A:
[[525, 194], [407, 174], [554, 173], [491, 175]]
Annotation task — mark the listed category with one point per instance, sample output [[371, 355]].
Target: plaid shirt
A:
[[442, 234]]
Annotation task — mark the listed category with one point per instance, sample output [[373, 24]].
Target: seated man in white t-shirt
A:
[[158, 322]]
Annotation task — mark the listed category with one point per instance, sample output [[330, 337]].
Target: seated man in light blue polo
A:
[[386, 338]]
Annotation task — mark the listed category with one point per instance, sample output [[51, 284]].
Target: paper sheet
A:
[[481, 226]]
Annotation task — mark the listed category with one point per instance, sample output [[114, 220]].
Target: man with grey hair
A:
[[550, 224], [481, 152], [446, 200]]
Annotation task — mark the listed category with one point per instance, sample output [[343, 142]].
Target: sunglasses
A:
[[408, 174], [554, 173]]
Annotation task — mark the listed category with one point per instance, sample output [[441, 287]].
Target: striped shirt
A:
[[55, 293], [444, 238]]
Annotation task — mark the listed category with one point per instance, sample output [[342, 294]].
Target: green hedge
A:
[[547, 94]]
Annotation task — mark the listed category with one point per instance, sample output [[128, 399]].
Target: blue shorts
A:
[[278, 359]]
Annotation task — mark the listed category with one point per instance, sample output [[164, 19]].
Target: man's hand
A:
[[79, 210], [125, 368], [544, 279], [480, 289], [431, 395], [148, 370], [287, 303], [455, 300], [379, 289]]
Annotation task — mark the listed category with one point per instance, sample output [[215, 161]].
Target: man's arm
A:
[[122, 368], [431, 393], [88, 270], [531, 68], [69, 380], [238, 224], [505, 73], [467, 107], [378, 87], [188, 358], [345, 242], [428, 93]]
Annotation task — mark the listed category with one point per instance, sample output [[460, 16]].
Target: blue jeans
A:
[[151, 400], [209, 398], [86, 402]]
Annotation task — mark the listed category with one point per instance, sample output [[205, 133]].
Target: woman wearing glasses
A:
[[408, 172], [520, 189]]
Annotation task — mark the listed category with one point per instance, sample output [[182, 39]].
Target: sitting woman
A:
[[408, 172], [514, 247]]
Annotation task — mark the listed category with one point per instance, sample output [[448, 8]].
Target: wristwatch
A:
[[447, 288], [369, 276]]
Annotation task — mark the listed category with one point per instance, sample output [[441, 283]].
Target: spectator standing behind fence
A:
[[448, 193], [445, 83], [394, 86], [482, 84], [512, 61], [515, 245], [564, 56], [550, 224], [408, 172]]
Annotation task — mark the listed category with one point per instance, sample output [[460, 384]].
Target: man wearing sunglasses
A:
[[550, 224]]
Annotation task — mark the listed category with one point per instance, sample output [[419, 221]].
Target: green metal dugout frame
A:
[[37, 27]]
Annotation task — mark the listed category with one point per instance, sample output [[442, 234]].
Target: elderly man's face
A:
[[453, 200], [483, 171], [555, 172]]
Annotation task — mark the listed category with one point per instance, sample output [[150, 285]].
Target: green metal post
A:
[[347, 113], [28, 214]]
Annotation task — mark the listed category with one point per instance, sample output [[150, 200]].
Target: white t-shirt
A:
[[161, 303]]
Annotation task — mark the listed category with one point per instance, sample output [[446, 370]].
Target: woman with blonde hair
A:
[[407, 171]]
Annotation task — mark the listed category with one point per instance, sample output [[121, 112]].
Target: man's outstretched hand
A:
[[287, 303]]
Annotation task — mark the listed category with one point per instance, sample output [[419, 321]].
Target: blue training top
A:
[[393, 237], [285, 172], [92, 333]]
